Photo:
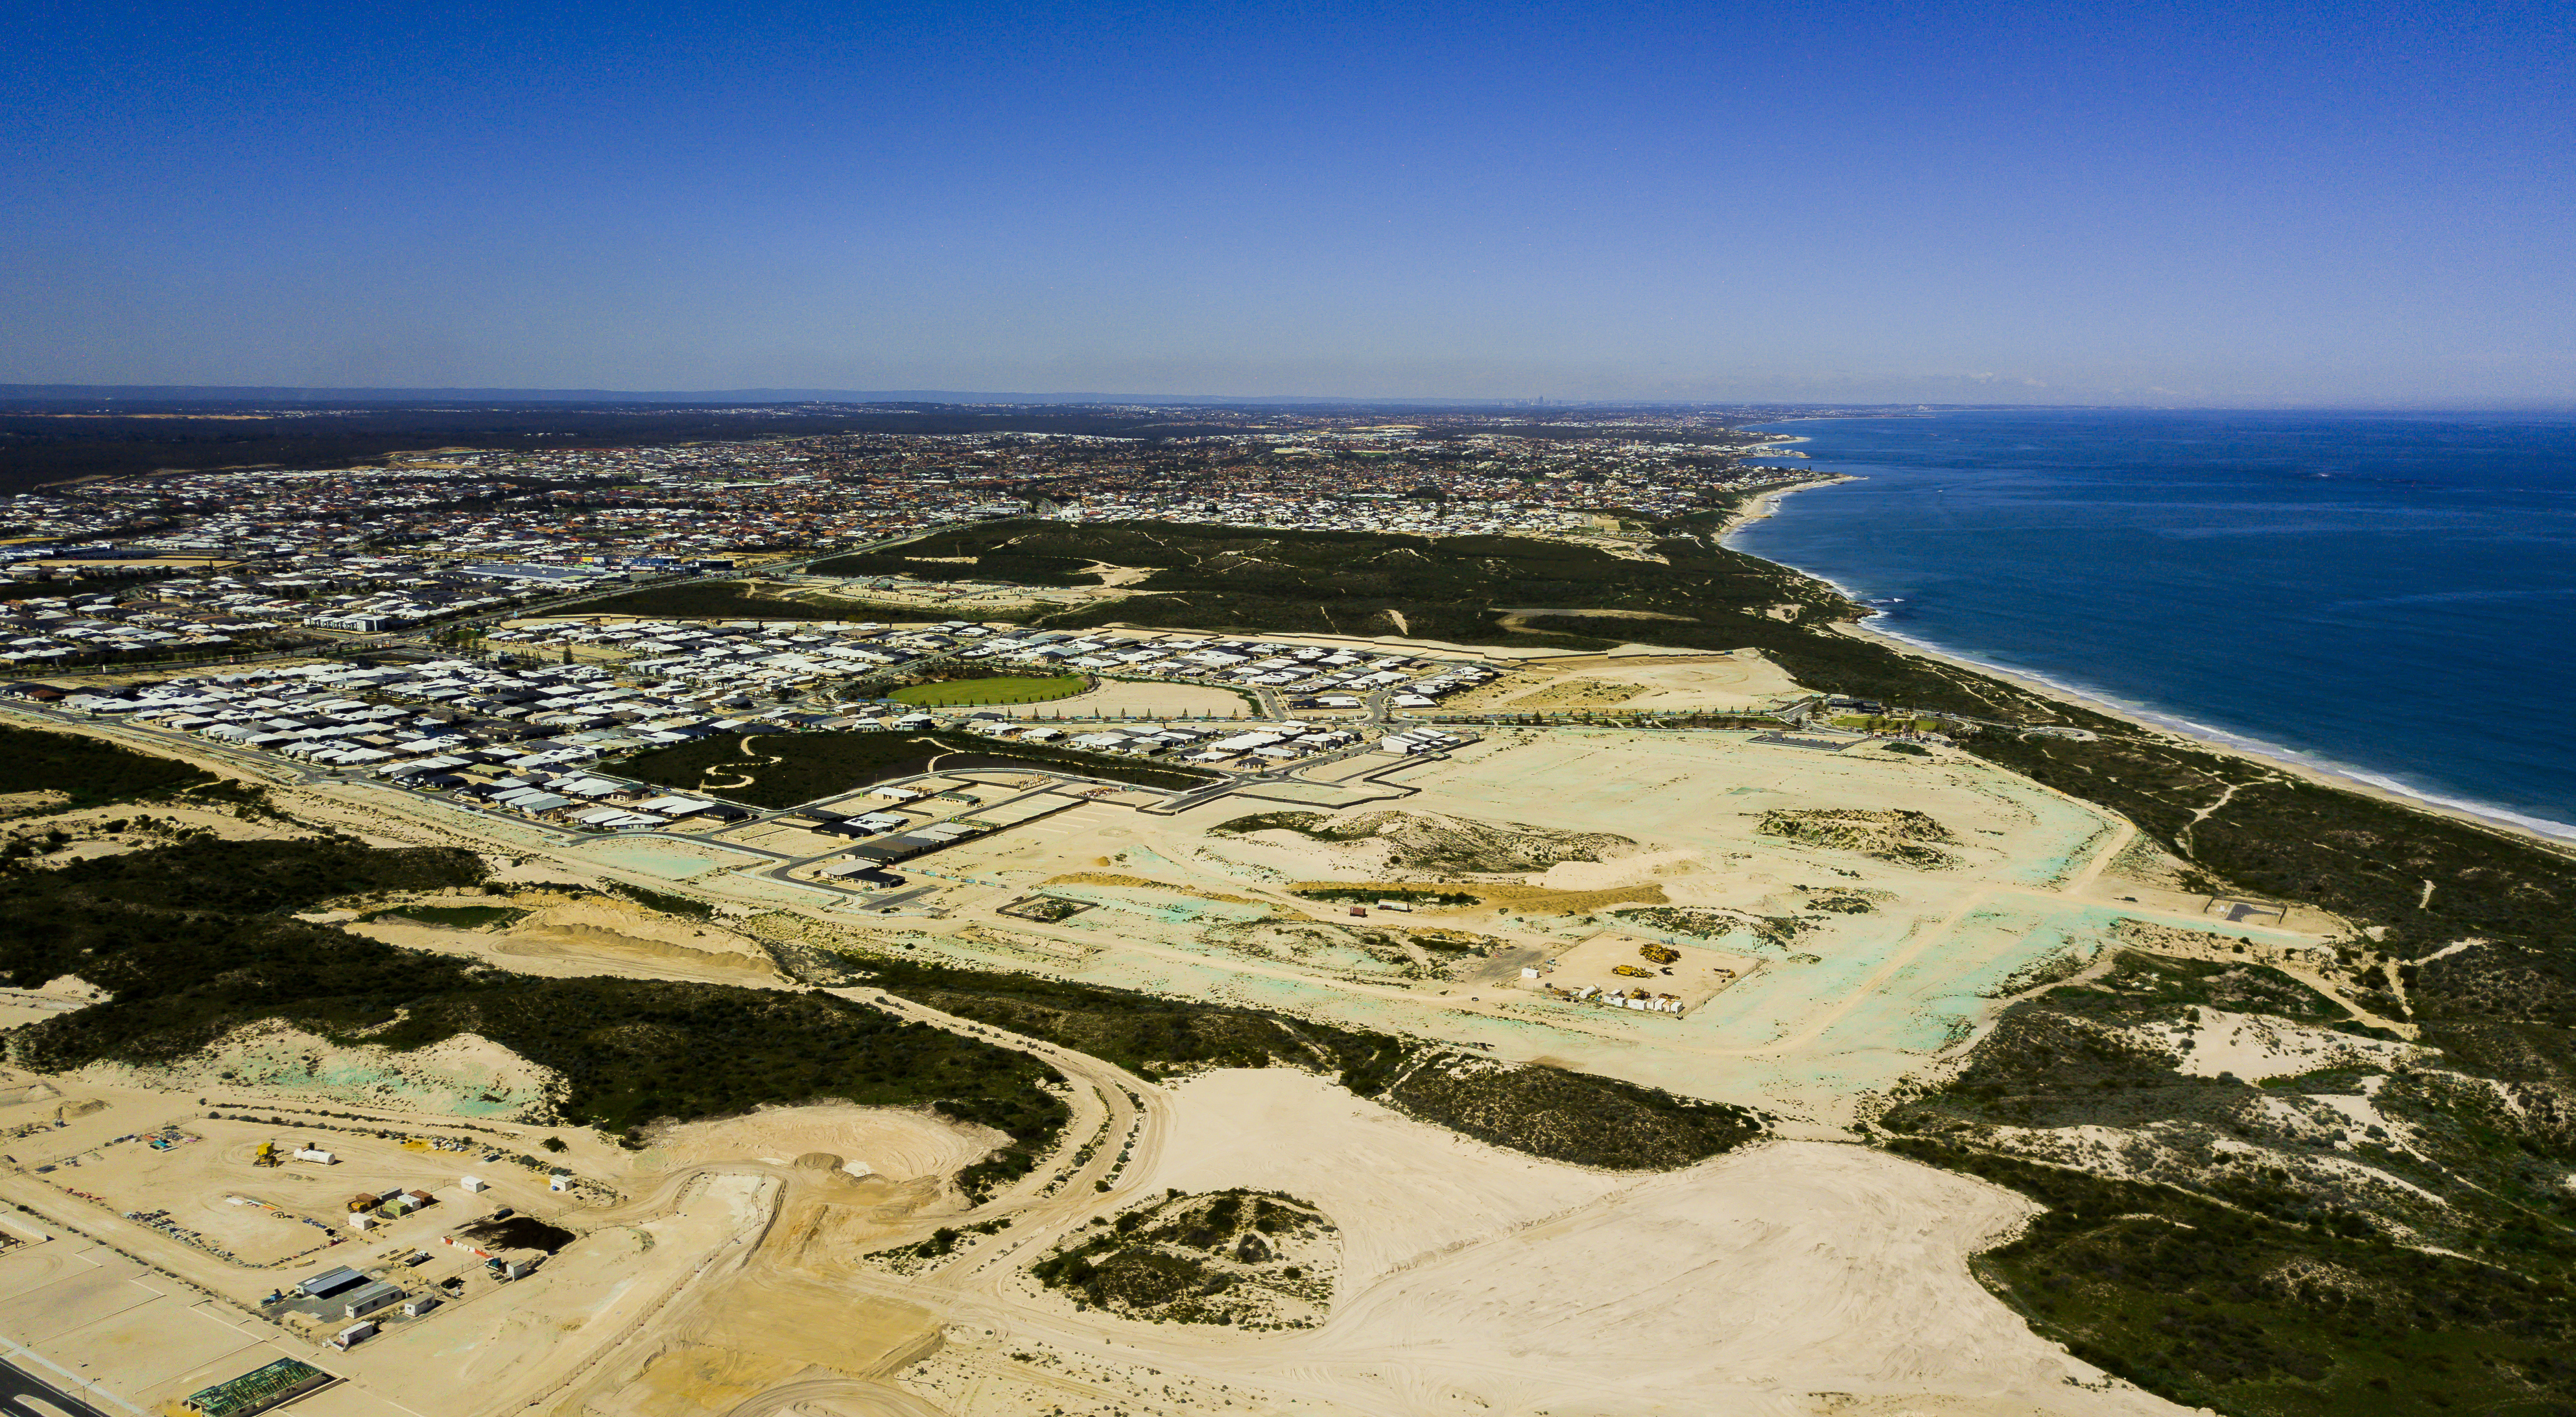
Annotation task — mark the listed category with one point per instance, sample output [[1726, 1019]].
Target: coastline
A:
[[1767, 505], [2553, 835], [2556, 836]]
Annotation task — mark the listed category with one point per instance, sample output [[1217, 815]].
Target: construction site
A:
[[290, 1221]]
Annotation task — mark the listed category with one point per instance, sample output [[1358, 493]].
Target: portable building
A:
[[359, 1303]]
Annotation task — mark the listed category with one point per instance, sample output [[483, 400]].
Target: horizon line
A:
[[310, 393]]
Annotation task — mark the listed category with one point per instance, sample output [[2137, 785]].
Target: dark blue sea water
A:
[[2384, 595]]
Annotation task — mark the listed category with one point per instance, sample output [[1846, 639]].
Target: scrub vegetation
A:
[[1568, 1116], [1543, 1111], [2215, 1305], [192, 942], [89, 772], [454, 917], [1143, 1033], [1367, 895], [2382, 1228], [1256, 1259]]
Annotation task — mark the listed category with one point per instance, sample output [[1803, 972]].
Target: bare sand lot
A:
[[567, 937], [1889, 903], [1790, 1278], [880, 1141], [1399, 1190], [1743, 679], [1691, 976], [1760, 1282]]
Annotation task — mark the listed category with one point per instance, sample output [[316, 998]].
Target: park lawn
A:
[[990, 691]]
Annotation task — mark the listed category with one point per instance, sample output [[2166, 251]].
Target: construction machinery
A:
[[1631, 971], [1660, 954]]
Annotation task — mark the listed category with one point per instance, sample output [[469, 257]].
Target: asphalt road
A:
[[15, 1383]]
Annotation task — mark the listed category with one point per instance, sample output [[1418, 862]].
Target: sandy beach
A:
[[1768, 504], [2162, 724], [2322, 775]]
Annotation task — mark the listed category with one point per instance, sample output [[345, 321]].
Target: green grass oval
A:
[[958, 692]]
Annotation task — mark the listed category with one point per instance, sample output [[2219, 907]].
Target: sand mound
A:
[[898, 1143], [1245, 1259], [463, 1075], [1423, 844], [595, 920], [1896, 835]]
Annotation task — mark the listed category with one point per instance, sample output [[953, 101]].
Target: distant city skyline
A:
[[2267, 205]]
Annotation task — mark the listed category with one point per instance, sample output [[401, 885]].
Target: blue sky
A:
[[2243, 204]]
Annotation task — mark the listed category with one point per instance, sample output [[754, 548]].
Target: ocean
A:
[[2383, 596]]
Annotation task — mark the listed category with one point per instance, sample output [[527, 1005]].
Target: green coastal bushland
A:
[[1461, 589], [90, 772], [1231, 1257]]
